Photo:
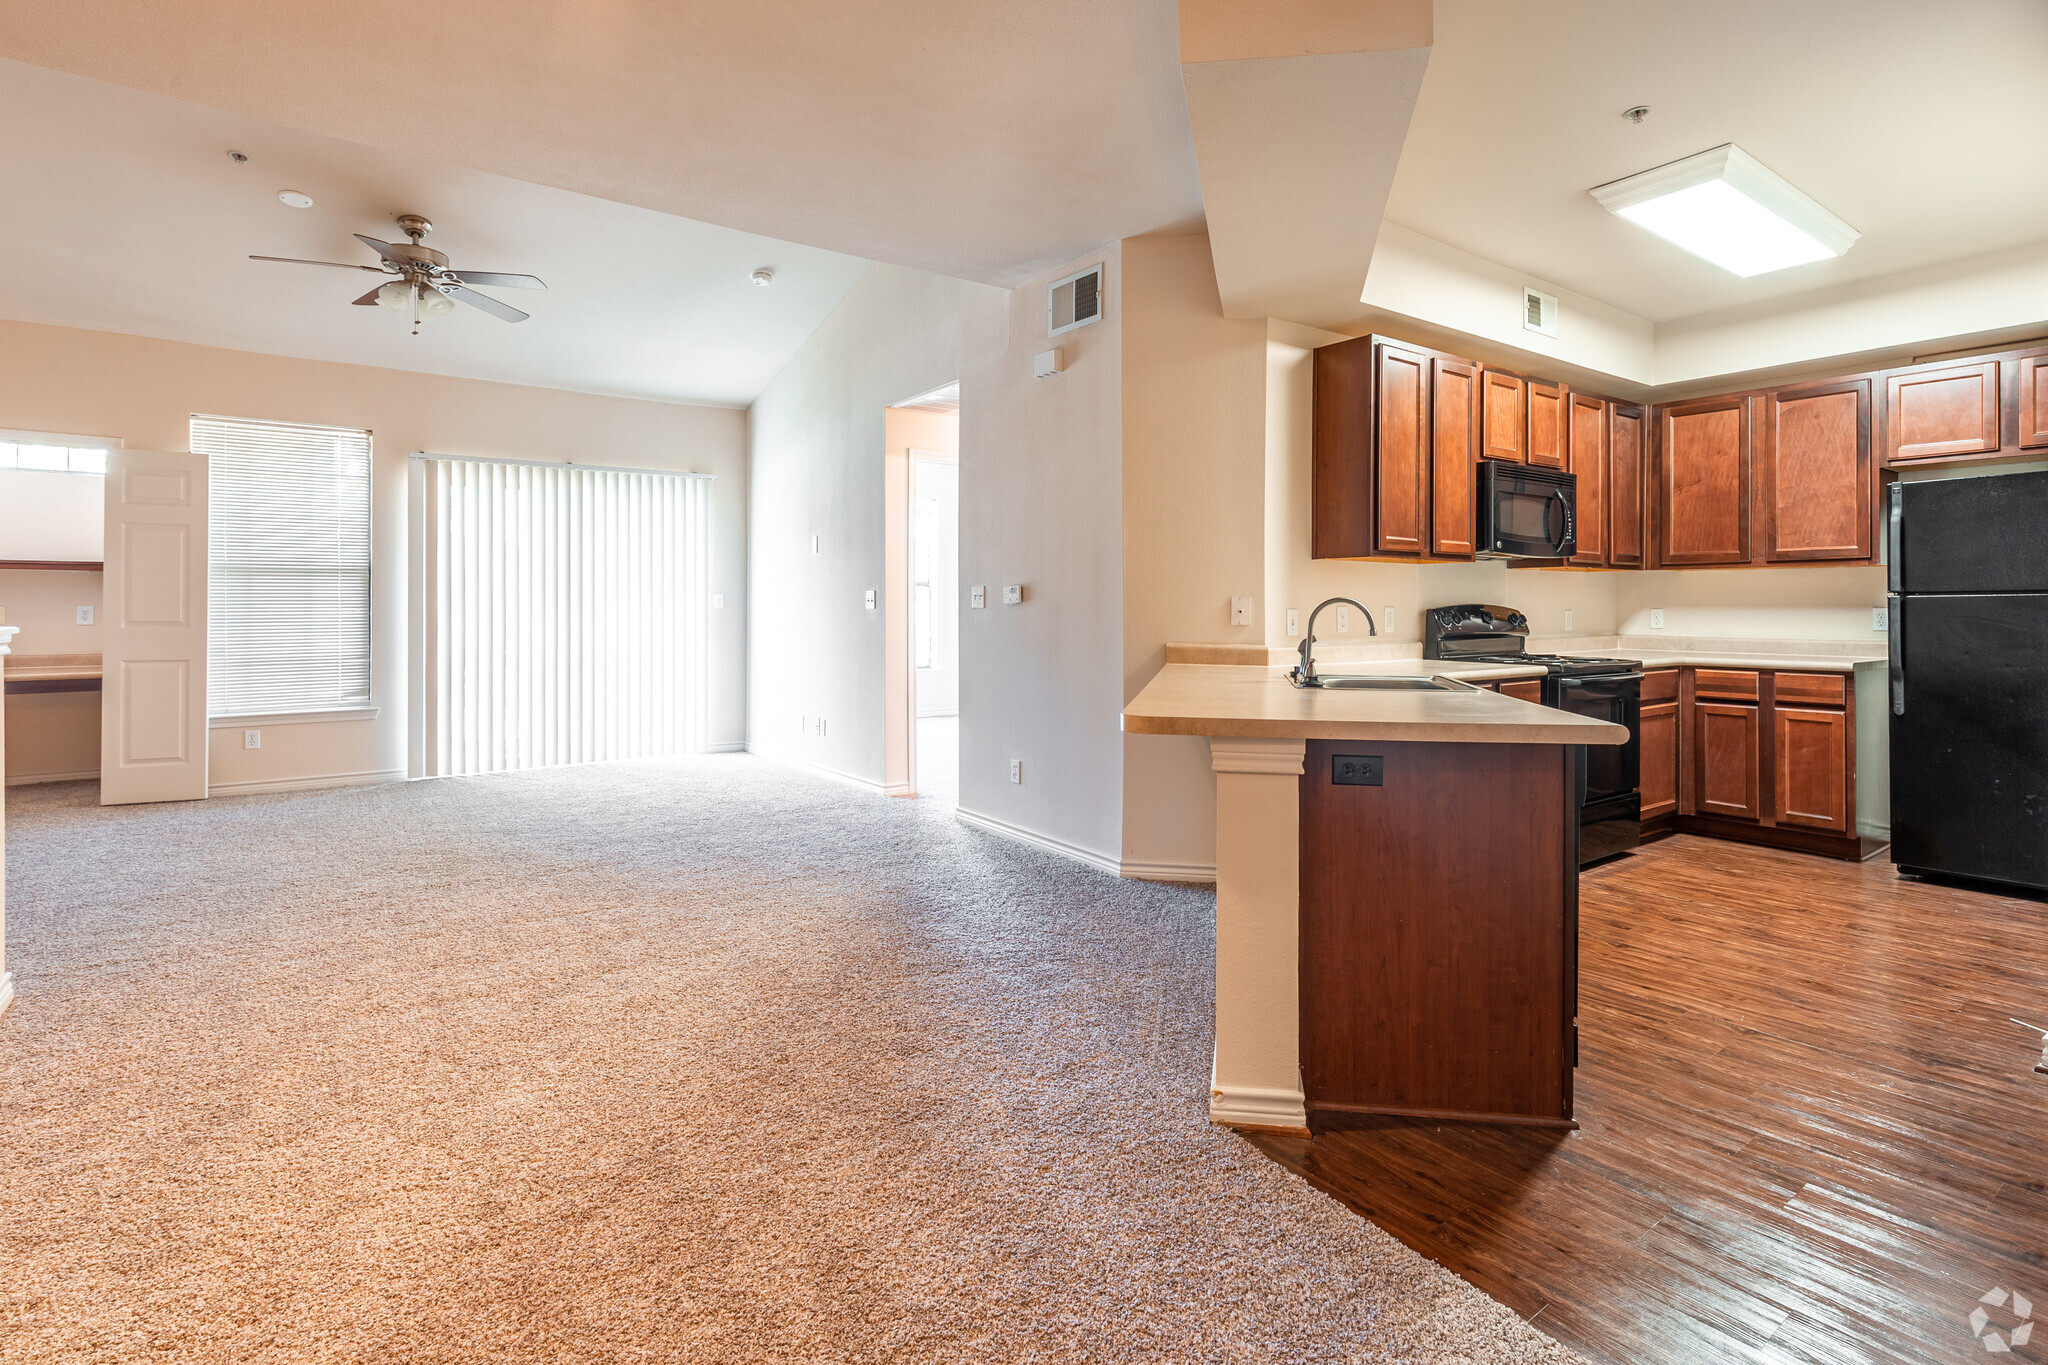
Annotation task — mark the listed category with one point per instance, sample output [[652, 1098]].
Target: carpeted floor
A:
[[704, 1060]]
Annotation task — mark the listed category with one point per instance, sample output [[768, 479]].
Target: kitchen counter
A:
[[25, 673], [1830, 656], [1244, 700]]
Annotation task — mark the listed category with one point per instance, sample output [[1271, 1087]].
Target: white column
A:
[[7, 633], [1256, 1082]]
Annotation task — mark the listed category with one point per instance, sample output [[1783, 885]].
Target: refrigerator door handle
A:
[[1898, 520], [1895, 618]]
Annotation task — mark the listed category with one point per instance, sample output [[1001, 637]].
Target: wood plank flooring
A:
[[1808, 1132]]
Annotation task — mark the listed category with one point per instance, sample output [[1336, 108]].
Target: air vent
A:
[[1539, 312], [1074, 301]]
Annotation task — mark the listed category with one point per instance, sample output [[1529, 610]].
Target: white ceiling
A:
[[1916, 123], [123, 213], [986, 141]]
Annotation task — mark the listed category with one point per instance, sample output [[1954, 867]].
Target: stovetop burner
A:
[[1556, 663]]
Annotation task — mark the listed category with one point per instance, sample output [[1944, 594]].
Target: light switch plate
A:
[[1293, 621], [1656, 618], [1880, 618], [977, 596], [1013, 593], [1567, 618], [1016, 770], [1343, 619], [85, 616], [1240, 611], [252, 739]]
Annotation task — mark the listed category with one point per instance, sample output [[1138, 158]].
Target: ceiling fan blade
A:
[[501, 281], [371, 297], [293, 260], [486, 302], [385, 249]]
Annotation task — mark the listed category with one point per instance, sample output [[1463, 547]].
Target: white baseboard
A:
[[1168, 872], [1255, 1106], [305, 784], [898, 789], [6, 990], [1102, 862], [30, 779], [736, 747], [864, 783]]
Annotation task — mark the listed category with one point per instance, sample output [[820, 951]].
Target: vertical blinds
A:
[[567, 615], [288, 625]]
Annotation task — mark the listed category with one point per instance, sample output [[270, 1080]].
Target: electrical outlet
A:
[[1343, 619], [871, 599], [1387, 617], [1293, 621], [1567, 619], [85, 616], [252, 739], [1656, 618], [1013, 593], [1016, 770], [977, 597], [1240, 611], [718, 601], [1880, 618]]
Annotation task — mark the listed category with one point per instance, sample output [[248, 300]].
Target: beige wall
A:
[[44, 603], [144, 391]]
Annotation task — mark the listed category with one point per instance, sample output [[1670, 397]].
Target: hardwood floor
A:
[[1808, 1130]]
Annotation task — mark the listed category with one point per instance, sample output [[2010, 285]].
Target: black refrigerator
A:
[[1969, 677]]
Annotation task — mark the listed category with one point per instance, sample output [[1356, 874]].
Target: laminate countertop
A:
[[51, 667], [1254, 701]]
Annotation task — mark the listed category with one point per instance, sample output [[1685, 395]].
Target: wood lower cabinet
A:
[[1454, 407], [1659, 744], [1545, 444], [1627, 451], [1725, 760], [1523, 689], [1586, 447], [1703, 485], [1816, 475], [1812, 765], [1503, 411]]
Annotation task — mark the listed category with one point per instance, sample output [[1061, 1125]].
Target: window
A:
[[54, 454], [48, 513], [288, 591]]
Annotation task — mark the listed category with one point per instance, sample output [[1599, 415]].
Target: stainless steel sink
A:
[[1387, 682]]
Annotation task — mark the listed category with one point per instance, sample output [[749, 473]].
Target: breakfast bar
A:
[[1396, 890]]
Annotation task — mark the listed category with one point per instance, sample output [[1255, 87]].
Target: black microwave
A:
[[1526, 512]]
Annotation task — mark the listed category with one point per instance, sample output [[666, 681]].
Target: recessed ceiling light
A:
[[294, 199], [1727, 207], [238, 157], [763, 277]]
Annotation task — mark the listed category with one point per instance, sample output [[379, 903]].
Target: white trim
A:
[[1101, 862], [306, 784], [898, 789], [1197, 873], [1250, 1106], [31, 779], [1272, 757], [294, 717], [71, 440], [6, 990], [866, 784], [737, 747]]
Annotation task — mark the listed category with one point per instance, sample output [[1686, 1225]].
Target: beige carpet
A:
[[685, 1061]]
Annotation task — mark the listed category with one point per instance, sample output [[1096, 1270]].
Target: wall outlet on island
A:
[[1880, 618], [1656, 618]]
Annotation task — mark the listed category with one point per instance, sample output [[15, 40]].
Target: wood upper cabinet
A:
[[1725, 759], [1627, 444], [2033, 434], [1586, 447], [1941, 411], [1504, 408], [1815, 475], [1401, 463], [1340, 490], [1454, 408], [1703, 462], [1547, 424]]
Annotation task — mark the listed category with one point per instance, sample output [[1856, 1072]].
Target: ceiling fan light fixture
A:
[[1726, 207], [397, 296], [434, 303]]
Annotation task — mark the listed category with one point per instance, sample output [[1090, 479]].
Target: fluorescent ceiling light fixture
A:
[[1727, 207]]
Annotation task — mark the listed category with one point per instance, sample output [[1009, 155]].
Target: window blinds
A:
[[288, 625], [566, 614]]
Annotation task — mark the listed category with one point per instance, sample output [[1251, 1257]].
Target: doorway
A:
[[922, 626]]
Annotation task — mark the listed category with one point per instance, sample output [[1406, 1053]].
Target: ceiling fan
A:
[[422, 283]]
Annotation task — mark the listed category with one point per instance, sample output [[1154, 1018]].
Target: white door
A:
[[153, 629], [935, 585]]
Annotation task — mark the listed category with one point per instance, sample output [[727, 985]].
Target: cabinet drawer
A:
[[1813, 689], [1660, 684], [1722, 682]]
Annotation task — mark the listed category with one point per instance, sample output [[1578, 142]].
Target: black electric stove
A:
[[1610, 804]]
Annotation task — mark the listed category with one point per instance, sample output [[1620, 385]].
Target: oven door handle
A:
[[1597, 678], [1564, 528]]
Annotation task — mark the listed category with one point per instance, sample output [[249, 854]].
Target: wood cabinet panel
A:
[[1704, 467], [1401, 462], [1811, 753], [1725, 760], [1658, 731], [1503, 405], [1725, 683], [1341, 481], [1627, 445], [1941, 411], [1547, 424], [1660, 684], [2033, 402], [1813, 689], [1586, 447], [1454, 407], [1523, 689], [1816, 479]]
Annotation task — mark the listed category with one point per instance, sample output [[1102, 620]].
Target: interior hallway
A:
[[702, 1059]]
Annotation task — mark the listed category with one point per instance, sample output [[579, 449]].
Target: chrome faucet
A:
[[1304, 673]]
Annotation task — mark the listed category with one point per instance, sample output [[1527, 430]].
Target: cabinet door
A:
[[1941, 410], [1547, 422], [1340, 492], [1812, 751], [1626, 446], [1658, 728], [1523, 689], [1815, 477], [1401, 454], [1725, 760], [1503, 406], [2033, 402], [1703, 492], [1454, 451], [1587, 447]]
